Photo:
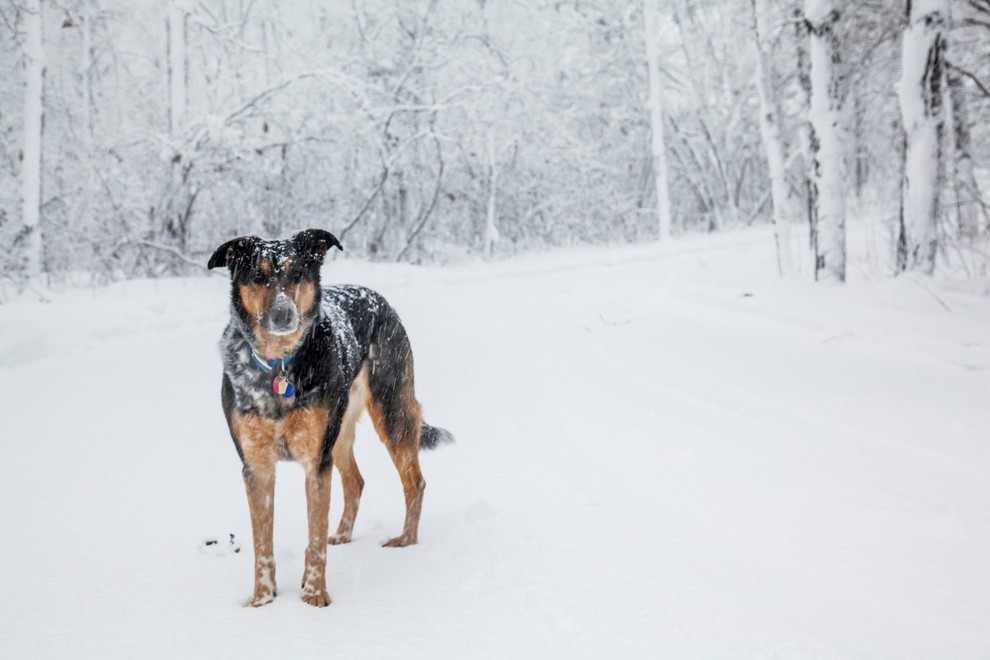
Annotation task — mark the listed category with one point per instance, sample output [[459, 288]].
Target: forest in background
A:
[[137, 135]]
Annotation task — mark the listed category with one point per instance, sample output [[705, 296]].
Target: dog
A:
[[300, 365]]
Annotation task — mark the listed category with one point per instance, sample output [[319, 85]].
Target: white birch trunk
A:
[[828, 171], [651, 38], [773, 144], [921, 97], [176, 66], [85, 71], [34, 109], [491, 227], [809, 192]]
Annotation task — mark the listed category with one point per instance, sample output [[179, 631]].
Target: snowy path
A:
[[662, 451]]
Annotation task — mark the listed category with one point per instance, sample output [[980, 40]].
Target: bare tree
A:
[[34, 114], [425, 130], [828, 235], [491, 227], [177, 77], [651, 37], [773, 143], [971, 213], [921, 97]]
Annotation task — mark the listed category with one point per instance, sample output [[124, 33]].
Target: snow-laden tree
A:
[[177, 76], [922, 101], [714, 139], [658, 149], [969, 34], [772, 136], [427, 130], [969, 213], [34, 113], [828, 234]]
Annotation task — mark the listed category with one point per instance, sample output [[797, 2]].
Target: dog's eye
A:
[[297, 276], [259, 278]]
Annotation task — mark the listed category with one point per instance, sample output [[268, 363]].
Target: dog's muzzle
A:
[[282, 317]]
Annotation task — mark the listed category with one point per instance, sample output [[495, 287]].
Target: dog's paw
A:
[[261, 599], [339, 539], [316, 597], [400, 541]]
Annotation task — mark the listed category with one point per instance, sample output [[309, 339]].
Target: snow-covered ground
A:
[[662, 451]]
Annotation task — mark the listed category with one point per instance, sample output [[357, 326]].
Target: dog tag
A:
[[282, 386]]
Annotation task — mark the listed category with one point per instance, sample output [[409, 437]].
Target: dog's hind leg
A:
[[353, 485], [397, 418], [343, 458], [405, 455]]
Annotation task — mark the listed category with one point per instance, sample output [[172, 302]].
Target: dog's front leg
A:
[[309, 434], [260, 485], [318, 506], [255, 439]]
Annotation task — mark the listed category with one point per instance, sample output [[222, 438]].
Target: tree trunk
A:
[[34, 115], [773, 144], [828, 235], [921, 96], [804, 127], [861, 162], [85, 70], [176, 27], [651, 38], [970, 218], [491, 228]]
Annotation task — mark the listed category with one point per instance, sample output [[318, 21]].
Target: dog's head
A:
[[275, 285]]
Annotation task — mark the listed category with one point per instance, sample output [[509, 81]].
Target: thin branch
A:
[[976, 81], [425, 214], [367, 203], [164, 248], [261, 96]]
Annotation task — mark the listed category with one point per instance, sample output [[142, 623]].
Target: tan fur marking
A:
[[405, 455], [255, 298], [256, 437], [318, 507], [343, 458], [353, 486], [303, 430], [273, 347], [304, 294]]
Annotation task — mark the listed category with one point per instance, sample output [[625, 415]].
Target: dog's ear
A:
[[315, 243], [231, 252]]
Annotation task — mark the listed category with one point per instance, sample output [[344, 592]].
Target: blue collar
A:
[[271, 365]]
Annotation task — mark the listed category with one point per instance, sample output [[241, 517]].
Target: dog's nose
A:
[[282, 315]]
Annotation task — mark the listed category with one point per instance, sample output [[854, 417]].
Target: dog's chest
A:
[[298, 436], [256, 392]]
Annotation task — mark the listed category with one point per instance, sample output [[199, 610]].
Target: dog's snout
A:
[[282, 314]]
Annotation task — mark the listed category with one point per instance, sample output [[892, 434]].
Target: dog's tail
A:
[[430, 437]]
